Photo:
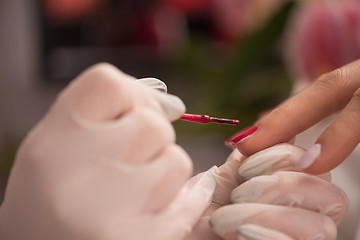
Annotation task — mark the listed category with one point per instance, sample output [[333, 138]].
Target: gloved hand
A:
[[276, 202], [227, 179], [103, 164]]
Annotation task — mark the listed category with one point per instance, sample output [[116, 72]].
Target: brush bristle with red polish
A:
[[207, 119]]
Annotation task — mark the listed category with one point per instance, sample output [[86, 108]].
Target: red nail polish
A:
[[237, 137]]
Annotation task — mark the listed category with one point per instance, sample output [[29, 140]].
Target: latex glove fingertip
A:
[[172, 105], [207, 183], [253, 189], [202, 182], [154, 83], [256, 232], [282, 156]]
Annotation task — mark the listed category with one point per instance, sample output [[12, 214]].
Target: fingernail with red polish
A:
[[241, 136]]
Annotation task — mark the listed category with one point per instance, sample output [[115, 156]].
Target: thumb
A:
[[227, 178], [189, 205]]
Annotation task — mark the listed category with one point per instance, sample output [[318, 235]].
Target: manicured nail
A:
[[241, 136], [309, 157]]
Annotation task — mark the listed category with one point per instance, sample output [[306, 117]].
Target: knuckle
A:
[[157, 126], [101, 67], [183, 163], [329, 81], [101, 72], [102, 77], [286, 113], [96, 78], [356, 94], [333, 83], [104, 65], [102, 82]]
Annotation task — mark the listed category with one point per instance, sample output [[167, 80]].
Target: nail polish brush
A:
[[207, 119]]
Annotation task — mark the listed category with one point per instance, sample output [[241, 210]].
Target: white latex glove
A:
[[277, 204], [103, 164], [227, 179]]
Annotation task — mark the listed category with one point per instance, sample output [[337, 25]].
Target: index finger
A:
[[328, 94], [103, 93]]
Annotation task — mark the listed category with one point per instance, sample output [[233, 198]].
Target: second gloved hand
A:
[[276, 202]]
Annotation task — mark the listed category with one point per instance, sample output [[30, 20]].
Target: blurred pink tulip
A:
[[170, 28], [190, 6], [236, 18], [322, 36]]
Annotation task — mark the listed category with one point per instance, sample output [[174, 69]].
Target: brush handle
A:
[[207, 119]]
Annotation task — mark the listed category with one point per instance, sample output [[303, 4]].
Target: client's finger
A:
[[296, 190], [330, 93], [336, 142], [297, 223]]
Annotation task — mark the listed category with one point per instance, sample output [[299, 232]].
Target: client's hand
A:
[[337, 91]]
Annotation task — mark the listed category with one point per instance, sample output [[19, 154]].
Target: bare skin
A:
[[337, 91]]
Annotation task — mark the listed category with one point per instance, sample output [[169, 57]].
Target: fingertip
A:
[[272, 129], [171, 105], [242, 141], [318, 167], [312, 161], [336, 146], [322, 163], [249, 146], [258, 141]]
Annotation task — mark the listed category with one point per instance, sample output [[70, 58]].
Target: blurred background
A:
[[226, 58]]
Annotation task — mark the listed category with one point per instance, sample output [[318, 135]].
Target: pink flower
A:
[[322, 36], [190, 6], [236, 18], [169, 26]]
